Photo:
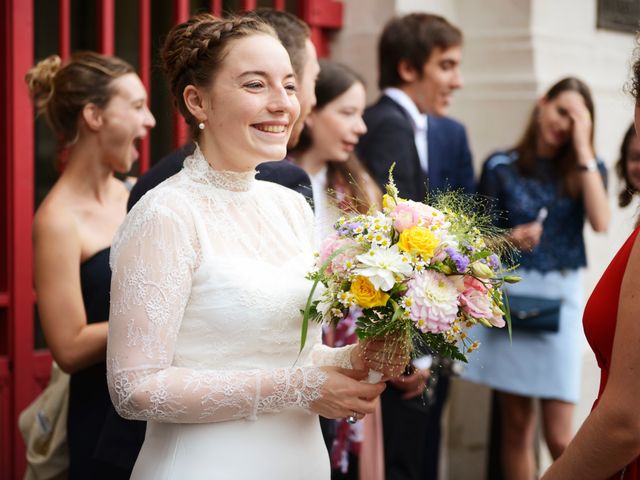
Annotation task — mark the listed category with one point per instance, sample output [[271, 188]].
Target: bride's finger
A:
[[363, 406]]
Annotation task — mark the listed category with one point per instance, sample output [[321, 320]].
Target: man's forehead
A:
[[311, 61], [450, 53]]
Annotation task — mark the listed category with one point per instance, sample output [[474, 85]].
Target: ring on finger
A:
[[353, 418]]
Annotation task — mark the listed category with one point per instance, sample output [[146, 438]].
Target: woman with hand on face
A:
[[97, 107], [543, 189], [209, 281], [607, 446], [628, 167], [341, 184]]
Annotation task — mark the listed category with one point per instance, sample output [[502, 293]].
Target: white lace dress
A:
[[204, 329]]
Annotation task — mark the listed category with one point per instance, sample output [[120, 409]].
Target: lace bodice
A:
[[208, 284]]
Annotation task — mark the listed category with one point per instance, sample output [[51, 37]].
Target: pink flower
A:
[[434, 301], [330, 245], [428, 215], [474, 283], [476, 302], [404, 217]]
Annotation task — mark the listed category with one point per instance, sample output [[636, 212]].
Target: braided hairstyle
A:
[[61, 91], [194, 51]]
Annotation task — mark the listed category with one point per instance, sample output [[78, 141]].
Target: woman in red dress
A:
[[607, 446]]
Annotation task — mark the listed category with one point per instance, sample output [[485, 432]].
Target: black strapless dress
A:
[[102, 445]]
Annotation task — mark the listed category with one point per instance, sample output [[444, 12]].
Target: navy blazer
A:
[[282, 172], [390, 138]]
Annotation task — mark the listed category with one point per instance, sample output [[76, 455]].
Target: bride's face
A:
[[251, 105]]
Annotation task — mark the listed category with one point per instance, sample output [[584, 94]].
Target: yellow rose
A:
[[418, 240], [366, 294]]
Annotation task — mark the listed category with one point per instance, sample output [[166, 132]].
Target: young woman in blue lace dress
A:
[[543, 189]]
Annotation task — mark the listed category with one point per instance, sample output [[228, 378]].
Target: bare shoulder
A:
[[54, 221], [633, 264]]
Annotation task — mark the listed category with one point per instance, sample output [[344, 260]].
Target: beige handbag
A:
[[43, 425]]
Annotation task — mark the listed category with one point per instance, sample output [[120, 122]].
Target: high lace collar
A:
[[201, 171]]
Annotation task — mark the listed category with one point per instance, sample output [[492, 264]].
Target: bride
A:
[[209, 280]]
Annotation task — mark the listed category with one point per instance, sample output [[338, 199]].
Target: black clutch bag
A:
[[534, 313]]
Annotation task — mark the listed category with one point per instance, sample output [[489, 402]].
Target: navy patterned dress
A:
[[536, 364]]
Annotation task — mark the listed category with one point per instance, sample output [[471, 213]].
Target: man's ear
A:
[[407, 73], [309, 121], [92, 116], [196, 102]]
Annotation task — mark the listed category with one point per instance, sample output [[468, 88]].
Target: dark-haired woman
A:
[[97, 107], [542, 190], [326, 148]]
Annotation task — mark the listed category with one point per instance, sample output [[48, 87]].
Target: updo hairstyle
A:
[[61, 91], [194, 51]]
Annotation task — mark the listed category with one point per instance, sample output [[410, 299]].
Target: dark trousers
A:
[[412, 433]]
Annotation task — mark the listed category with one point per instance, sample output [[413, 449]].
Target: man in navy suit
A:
[[419, 57], [295, 37]]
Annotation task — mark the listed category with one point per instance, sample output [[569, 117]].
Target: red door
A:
[[34, 29]]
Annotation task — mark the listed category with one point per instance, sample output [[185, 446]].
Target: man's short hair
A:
[[292, 32], [412, 38]]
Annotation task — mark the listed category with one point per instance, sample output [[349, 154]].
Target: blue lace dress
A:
[[536, 364]]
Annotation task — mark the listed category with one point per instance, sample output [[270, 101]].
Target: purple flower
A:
[[494, 262], [460, 261], [469, 248], [348, 228]]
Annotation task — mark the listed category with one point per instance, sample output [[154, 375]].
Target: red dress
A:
[[600, 315]]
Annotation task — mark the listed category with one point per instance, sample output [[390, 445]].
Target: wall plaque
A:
[[619, 15]]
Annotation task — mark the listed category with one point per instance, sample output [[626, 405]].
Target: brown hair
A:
[[350, 180], [634, 83], [527, 146], [291, 31], [61, 91], [194, 51], [412, 38], [626, 194]]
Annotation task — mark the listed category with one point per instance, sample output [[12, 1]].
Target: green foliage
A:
[[439, 346]]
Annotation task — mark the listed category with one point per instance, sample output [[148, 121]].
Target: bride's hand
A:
[[345, 393]]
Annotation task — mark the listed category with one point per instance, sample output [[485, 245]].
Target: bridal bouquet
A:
[[415, 275]]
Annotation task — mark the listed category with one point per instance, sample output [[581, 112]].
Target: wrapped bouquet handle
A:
[[391, 353]]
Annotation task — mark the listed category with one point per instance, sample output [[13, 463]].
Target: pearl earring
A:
[[201, 125]]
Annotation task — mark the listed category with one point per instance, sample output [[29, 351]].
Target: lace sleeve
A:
[[153, 259], [330, 356]]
